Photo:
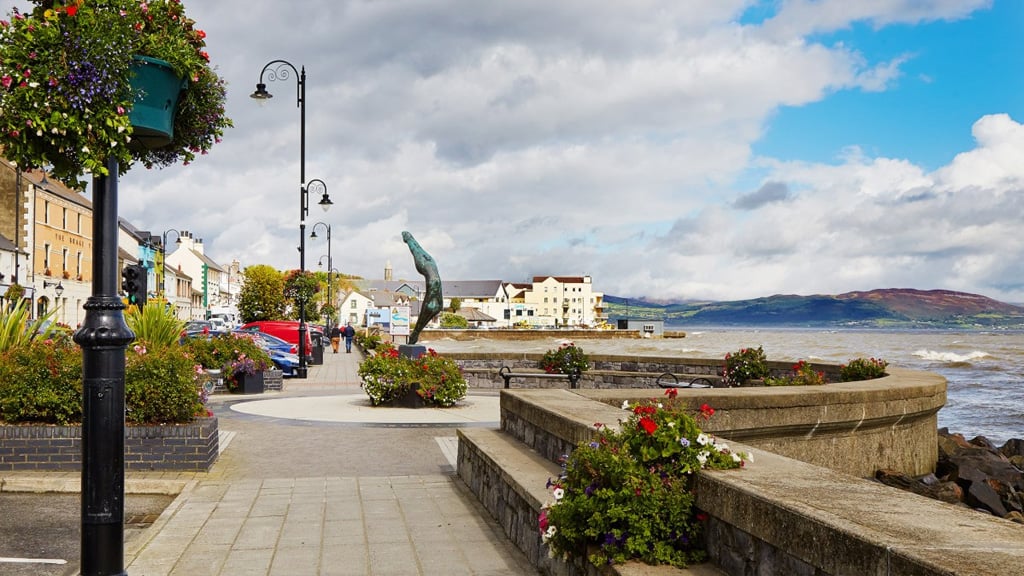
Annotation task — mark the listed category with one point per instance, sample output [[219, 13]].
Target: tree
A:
[[455, 304], [301, 288], [262, 294]]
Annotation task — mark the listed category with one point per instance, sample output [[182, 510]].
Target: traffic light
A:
[[133, 282]]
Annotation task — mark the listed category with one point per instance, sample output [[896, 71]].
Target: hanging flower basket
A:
[[73, 96], [156, 89]]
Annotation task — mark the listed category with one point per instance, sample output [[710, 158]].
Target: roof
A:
[[470, 288], [562, 279], [7, 246], [127, 256], [475, 315], [210, 263]]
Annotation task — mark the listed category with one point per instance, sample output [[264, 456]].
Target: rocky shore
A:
[[972, 473]]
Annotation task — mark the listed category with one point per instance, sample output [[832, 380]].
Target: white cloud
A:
[[523, 138]]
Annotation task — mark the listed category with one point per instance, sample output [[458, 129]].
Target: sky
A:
[[699, 150]]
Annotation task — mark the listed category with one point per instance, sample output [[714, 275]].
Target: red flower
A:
[[648, 425], [702, 516], [671, 392], [72, 10], [707, 411]]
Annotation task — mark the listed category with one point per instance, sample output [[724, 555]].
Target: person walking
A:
[[335, 337], [349, 333]]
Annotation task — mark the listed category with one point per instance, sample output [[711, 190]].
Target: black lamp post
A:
[[282, 70], [330, 262], [104, 337], [163, 260]]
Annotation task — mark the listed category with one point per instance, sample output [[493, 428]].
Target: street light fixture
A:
[[282, 70], [163, 261], [59, 288], [330, 262]]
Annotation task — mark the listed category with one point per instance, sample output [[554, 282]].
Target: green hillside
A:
[[889, 308]]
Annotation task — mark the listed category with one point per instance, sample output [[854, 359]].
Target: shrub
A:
[[743, 365], [367, 341], [162, 385], [862, 369], [154, 326], [41, 381], [803, 374], [628, 493], [440, 379], [387, 376], [566, 359], [384, 376], [452, 320]]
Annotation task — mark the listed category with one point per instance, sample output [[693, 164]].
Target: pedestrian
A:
[[335, 337], [349, 333]]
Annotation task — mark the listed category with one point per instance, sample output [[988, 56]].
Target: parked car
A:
[[195, 326], [287, 330], [273, 342]]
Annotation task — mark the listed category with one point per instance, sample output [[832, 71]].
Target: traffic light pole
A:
[[104, 337]]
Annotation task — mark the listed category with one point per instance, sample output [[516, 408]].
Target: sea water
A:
[[984, 369]]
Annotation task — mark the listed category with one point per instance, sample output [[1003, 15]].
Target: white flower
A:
[[671, 424], [749, 456], [625, 404], [702, 457], [659, 405], [722, 447], [548, 534], [558, 493], [736, 458], [703, 439]]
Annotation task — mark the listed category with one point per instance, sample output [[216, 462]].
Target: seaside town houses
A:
[[546, 302], [46, 247]]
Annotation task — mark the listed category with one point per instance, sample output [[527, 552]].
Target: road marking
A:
[[33, 560], [450, 448]]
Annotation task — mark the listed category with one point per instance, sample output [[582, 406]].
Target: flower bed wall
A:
[[606, 371], [183, 447]]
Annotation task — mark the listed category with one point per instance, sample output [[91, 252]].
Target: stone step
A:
[[510, 481]]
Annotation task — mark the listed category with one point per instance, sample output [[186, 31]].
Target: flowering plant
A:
[[566, 359], [743, 365], [628, 493], [862, 369], [65, 85], [387, 376], [802, 374], [440, 379]]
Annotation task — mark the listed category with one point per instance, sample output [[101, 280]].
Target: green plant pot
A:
[[157, 89]]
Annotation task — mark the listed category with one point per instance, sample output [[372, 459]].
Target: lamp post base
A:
[[301, 372]]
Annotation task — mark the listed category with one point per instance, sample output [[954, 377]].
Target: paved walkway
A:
[[307, 485]]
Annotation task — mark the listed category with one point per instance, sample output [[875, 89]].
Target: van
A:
[[287, 330]]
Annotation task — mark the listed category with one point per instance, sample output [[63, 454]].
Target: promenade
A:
[[312, 481]]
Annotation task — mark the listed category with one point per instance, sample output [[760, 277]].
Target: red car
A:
[[287, 330]]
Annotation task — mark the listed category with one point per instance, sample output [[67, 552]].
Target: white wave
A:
[[950, 357]]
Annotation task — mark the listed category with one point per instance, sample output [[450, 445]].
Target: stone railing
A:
[[802, 506]]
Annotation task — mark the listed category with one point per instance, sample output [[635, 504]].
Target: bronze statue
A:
[[433, 301]]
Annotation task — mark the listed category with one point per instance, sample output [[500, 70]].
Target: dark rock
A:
[[981, 495], [984, 443], [1013, 447], [1015, 517], [943, 491]]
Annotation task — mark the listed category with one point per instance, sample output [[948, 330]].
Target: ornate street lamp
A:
[[163, 260], [282, 70], [330, 262]]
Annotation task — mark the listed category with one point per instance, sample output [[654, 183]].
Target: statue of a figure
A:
[[433, 301]]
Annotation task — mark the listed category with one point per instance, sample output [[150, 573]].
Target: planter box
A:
[[181, 447], [249, 384]]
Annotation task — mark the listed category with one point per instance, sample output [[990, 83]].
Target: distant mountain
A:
[[887, 308]]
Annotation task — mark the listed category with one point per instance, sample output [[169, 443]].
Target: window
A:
[[64, 219], [46, 256], [64, 260], [78, 265], [46, 212], [354, 304], [79, 223]]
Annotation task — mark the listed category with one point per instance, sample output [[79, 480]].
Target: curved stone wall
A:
[[852, 427]]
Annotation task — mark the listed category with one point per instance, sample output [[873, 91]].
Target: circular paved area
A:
[[356, 409]]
